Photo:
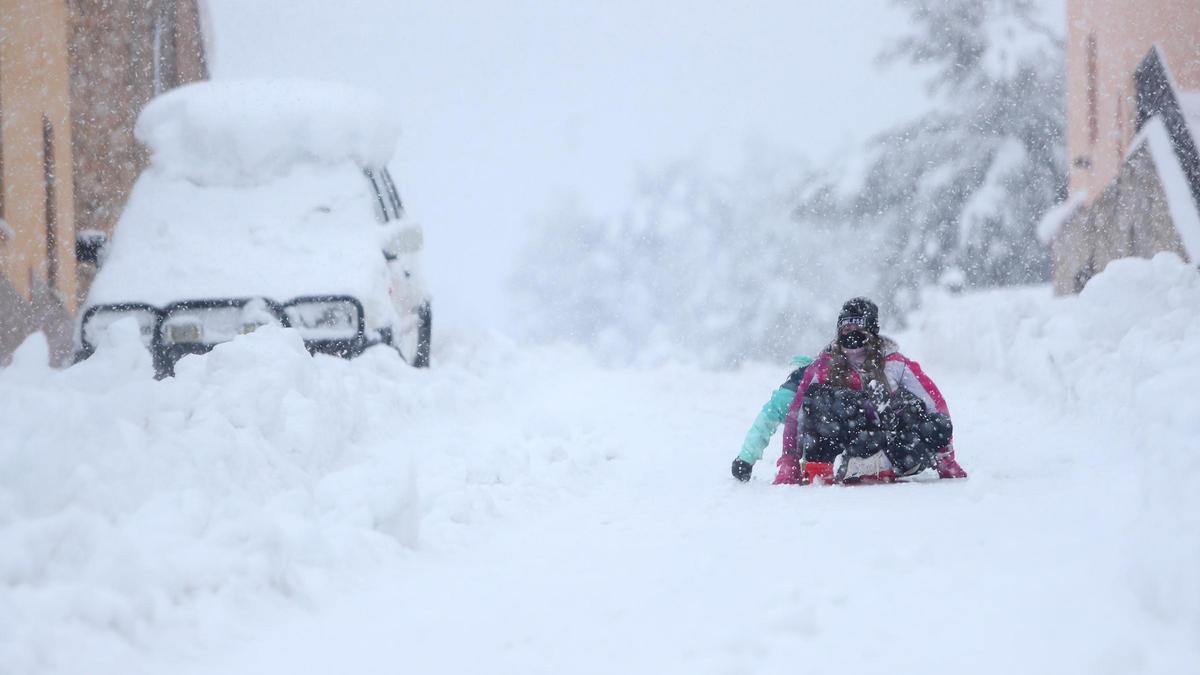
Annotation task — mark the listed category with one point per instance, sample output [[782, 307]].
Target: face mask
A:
[[856, 357], [854, 340]]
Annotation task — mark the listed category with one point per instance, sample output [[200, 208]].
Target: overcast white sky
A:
[[506, 104]]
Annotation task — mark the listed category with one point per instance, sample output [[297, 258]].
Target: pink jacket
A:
[[900, 372]]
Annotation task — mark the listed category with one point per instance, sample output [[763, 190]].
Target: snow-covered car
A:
[[265, 202]]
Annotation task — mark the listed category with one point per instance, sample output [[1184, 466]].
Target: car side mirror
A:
[[407, 239], [89, 247]]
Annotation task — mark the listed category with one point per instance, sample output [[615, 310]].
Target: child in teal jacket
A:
[[769, 418]]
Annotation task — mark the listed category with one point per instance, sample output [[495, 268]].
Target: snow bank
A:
[[133, 509], [1124, 355], [239, 132], [129, 504]]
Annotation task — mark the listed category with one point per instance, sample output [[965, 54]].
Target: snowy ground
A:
[[664, 565], [571, 519]]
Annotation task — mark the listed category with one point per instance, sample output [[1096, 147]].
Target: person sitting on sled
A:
[[865, 412], [769, 418]]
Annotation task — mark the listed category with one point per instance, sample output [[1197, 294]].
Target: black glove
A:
[[742, 469]]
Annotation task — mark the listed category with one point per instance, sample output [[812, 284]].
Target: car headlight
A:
[[183, 330], [324, 319], [100, 319]]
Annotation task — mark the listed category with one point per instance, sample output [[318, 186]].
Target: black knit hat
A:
[[860, 312]]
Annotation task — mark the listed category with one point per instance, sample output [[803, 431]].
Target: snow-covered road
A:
[[662, 563]]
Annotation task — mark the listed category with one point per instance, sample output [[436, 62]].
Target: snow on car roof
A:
[[255, 188], [242, 132], [312, 231]]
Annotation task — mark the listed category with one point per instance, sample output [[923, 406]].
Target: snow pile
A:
[[140, 502], [1124, 355], [131, 509], [1129, 328], [239, 132]]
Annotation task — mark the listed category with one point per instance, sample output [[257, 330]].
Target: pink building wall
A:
[[1106, 40]]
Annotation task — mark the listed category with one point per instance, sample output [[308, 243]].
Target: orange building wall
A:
[[34, 78], [115, 71], [1124, 32]]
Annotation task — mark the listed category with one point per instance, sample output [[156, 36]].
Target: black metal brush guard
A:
[[166, 355]]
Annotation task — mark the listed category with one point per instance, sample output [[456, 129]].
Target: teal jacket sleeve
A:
[[772, 414], [768, 420]]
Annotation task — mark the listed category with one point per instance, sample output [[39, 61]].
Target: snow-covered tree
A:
[[753, 263], [700, 267], [960, 190]]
